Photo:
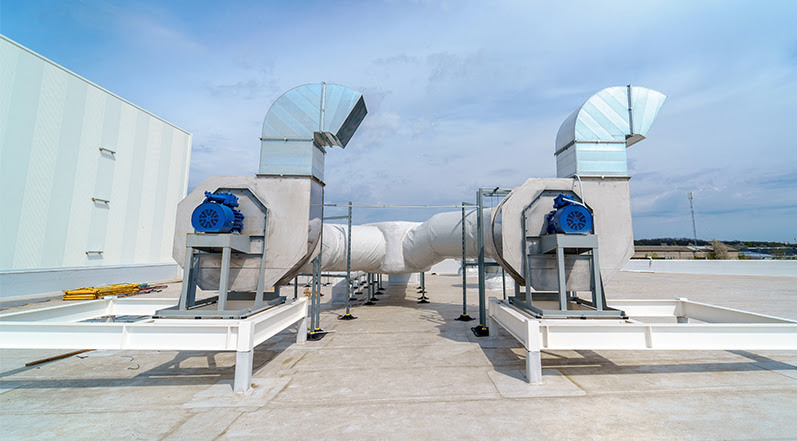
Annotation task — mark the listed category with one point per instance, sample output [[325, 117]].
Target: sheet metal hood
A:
[[304, 120], [593, 139]]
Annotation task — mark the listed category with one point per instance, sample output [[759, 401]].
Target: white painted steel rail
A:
[[62, 327], [698, 326]]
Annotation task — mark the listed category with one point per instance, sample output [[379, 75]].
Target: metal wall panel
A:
[[52, 126]]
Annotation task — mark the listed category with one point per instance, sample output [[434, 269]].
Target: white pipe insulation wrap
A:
[[440, 238], [403, 247], [367, 248], [394, 233]]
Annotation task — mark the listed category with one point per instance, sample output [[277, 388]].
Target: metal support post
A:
[[316, 333], [317, 295], [481, 330], [349, 294], [560, 259], [533, 359], [312, 296], [261, 278], [598, 298], [464, 317], [503, 282], [371, 299], [422, 291], [295, 287], [188, 294], [301, 331], [225, 278], [243, 371]]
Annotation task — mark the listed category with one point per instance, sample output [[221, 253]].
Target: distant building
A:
[[676, 252], [89, 181]]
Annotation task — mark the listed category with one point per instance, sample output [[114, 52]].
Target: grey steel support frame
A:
[[560, 245], [209, 244]]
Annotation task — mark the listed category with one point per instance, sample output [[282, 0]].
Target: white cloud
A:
[[470, 94]]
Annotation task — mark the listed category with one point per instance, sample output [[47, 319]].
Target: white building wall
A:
[[52, 125]]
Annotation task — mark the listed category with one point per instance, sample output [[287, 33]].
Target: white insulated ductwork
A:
[[406, 247], [400, 247]]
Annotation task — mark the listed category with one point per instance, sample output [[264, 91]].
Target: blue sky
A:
[[464, 94]]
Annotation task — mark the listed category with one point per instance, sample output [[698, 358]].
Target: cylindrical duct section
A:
[[440, 238], [367, 248]]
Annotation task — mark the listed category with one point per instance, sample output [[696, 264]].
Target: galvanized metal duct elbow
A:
[[593, 139], [304, 120]]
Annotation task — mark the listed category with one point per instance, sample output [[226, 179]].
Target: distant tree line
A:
[[738, 244]]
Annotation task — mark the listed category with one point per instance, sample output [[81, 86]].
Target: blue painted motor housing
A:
[[217, 214], [569, 217]]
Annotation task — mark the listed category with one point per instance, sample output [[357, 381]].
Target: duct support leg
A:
[[188, 292], [369, 294], [243, 371], [301, 331], [316, 332], [597, 292], [503, 282], [464, 317], [533, 359], [224, 278], [492, 331], [481, 330], [423, 298], [533, 367], [560, 266]]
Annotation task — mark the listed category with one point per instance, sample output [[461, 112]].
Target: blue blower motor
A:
[[569, 217], [217, 214]]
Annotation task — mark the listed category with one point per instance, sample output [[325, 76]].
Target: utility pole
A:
[[694, 230]]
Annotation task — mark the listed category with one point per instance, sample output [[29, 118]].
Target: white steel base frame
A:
[[61, 327], [719, 329]]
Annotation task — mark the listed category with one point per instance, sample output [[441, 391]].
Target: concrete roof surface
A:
[[409, 371]]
